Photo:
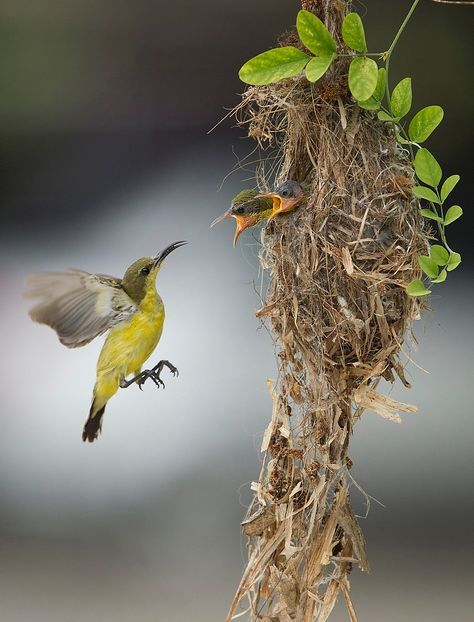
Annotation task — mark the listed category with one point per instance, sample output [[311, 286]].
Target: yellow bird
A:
[[80, 306]]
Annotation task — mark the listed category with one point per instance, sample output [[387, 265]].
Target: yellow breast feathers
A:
[[130, 343]]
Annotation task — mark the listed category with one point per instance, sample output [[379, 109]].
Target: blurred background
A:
[[105, 110]]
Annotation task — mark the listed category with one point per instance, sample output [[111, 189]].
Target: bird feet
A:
[[154, 373]]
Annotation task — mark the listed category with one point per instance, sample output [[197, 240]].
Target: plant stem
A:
[[402, 28], [442, 235], [394, 43], [441, 228], [377, 54], [406, 137]]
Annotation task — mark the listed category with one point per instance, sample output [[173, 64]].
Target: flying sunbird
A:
[[285, 198], [248, 209], [80, 306]]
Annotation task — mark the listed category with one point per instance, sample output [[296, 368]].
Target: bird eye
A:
[[285, 193], [145, 270], [240, 210]]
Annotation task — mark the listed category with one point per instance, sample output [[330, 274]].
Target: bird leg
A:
[[154, 373]]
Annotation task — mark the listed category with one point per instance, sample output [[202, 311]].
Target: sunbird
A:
[[248, 209], [80, 306], [286, 197]]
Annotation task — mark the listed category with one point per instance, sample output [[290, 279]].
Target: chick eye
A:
[[240, 210], [145, 270], [285, 193]]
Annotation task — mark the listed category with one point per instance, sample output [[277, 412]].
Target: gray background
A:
[[106, 158]]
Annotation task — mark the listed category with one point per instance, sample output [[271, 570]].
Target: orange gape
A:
[[248, 208], [285, 198]]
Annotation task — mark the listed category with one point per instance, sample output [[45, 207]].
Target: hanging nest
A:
[[338, 310]]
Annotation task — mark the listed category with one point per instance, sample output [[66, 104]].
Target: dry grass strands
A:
[[337, 307]]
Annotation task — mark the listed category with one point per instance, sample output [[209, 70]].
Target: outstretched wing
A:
[[79, 306]]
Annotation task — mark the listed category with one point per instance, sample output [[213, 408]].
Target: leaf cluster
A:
[[286, 62], [369, 85], [441, 259]]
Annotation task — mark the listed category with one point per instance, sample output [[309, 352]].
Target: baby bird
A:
[[286, 197], [248, 208]]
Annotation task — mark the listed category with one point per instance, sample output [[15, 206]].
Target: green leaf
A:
[[439, 254], [363, 73], [369, 104], [429, 267], [318, 66], [353, 32], [400, 103], [381, 84], [402, 141], [454, 261], [441, 277], [373, 103], [427, 213], [448, 186], [424, 123], [273, 65], [427, 168], [417, 288], [383, 116], [314, 35], [453, 213], [422, 192]]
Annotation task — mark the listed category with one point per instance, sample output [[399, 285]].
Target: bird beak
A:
[[280, 204], [169, 249], [242, 222], [222, 217]]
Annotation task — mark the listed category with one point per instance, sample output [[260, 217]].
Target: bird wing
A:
[[79, 306]]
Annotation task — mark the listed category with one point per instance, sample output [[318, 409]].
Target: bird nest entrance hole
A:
[[338, 310]]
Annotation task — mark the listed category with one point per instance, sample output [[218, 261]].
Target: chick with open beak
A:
[[285, 198], [248, 208]]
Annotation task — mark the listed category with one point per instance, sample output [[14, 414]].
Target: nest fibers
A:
[[337, 307]]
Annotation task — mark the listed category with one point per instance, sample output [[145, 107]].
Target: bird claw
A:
[[173, 370], [157, 380], [154, 374], [150, 373]]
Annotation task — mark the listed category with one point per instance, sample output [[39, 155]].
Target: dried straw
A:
[[337, 307]]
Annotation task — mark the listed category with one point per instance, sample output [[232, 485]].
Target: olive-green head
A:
[[248, 210], [251, 202], [140, 276]]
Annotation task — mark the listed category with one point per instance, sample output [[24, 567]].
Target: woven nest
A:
[[337, 307]]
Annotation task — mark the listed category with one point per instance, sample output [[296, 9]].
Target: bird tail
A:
[[93, 425]]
